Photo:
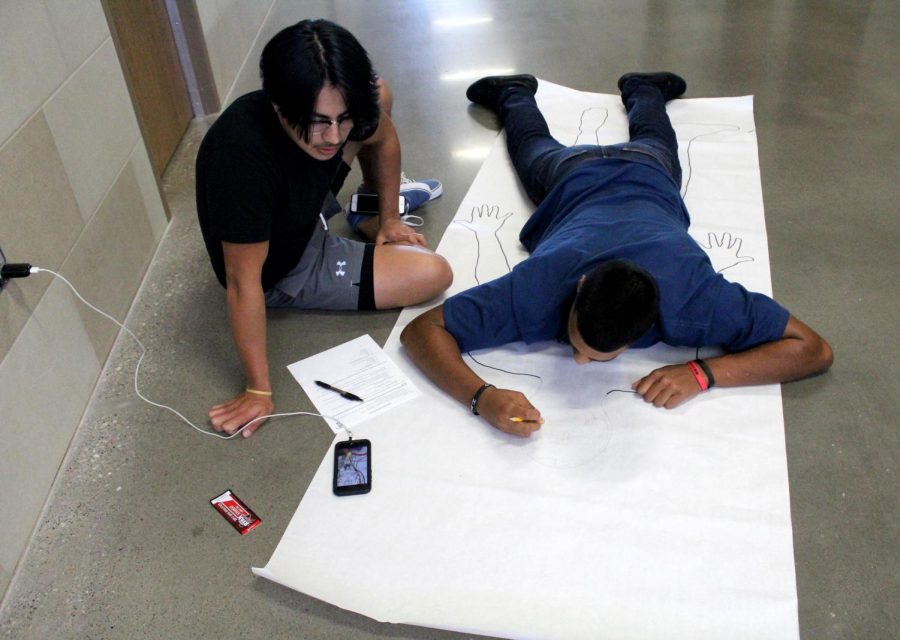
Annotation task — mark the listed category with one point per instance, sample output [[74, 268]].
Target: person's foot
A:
[[671, 85], [416, 192], [487, 91]]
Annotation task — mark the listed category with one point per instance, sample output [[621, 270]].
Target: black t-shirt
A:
[[254, 184]]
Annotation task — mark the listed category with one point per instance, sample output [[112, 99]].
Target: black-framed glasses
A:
[[319, 127]]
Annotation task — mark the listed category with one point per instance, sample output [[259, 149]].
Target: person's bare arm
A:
[[247, 314], [379, 158], [435, 351], [799, 353]]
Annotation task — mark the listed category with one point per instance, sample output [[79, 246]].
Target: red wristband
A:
[[698, 375]]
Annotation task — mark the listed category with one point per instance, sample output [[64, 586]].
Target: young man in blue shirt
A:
[[611, 266]]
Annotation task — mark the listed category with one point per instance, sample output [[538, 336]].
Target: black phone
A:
[[352, 467], [368, 203]]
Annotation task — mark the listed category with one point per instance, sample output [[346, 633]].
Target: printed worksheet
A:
[[353, 382]]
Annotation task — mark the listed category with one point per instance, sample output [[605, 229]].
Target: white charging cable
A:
[[137, 370]]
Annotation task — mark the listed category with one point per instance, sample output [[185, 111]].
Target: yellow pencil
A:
[[518, 419]]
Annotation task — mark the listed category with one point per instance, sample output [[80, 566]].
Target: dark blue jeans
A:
[[541, 161]]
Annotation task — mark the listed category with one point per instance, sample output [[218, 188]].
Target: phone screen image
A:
[[352, 467]]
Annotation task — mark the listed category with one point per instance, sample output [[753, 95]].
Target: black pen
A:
[[345, 394]]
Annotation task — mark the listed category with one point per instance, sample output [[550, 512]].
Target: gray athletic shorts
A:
[[334, 273]]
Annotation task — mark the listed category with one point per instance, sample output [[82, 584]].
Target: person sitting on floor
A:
[[267, 171]]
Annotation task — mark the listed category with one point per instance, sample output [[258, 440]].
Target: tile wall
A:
[[78, 196], [232, 30]]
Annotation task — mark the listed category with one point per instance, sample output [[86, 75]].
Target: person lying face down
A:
[[611, 266]]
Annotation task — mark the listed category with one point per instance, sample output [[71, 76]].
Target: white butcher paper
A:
[[616, 520]]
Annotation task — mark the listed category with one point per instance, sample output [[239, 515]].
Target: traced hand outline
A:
[[724, 250], [487, 219]]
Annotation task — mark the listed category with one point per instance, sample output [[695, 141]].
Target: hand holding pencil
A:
[[510, 411]]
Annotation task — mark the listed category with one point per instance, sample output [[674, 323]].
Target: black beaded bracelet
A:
[[482, 389], [706, 370]]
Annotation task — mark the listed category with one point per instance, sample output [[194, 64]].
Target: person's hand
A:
[[485, 217], [394, 231], [500, 406], [668, 386], [234, 414]]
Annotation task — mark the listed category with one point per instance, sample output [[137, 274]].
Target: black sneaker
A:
[[486, 91], [671, 85]]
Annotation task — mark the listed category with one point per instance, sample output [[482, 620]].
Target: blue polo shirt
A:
[[605, 210]]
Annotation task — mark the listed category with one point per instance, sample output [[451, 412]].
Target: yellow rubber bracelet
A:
[[258, 392]]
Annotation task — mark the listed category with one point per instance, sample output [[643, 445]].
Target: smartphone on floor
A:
[[352, 467], [368, 203]]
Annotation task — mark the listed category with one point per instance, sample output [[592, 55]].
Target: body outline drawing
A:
[[688, 171], [596, 129]]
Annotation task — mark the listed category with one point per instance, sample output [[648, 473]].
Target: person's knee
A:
[[430, 276], [439, 275], [407, 275]]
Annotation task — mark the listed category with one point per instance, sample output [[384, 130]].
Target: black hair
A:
[[302, 58], [616, 304]]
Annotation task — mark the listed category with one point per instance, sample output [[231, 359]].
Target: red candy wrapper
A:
[[236, 512]]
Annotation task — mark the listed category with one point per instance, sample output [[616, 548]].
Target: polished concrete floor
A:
[[129, 547]]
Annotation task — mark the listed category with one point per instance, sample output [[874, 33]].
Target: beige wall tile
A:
[[224, 42], [209, 11], [31, 63], [153, 203], [39, 219], [94, 126], [111, 257], [80, 27], [251, 16], [230, 28], [47, 378]]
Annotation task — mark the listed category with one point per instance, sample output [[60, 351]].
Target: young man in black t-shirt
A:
[[267, 170]]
